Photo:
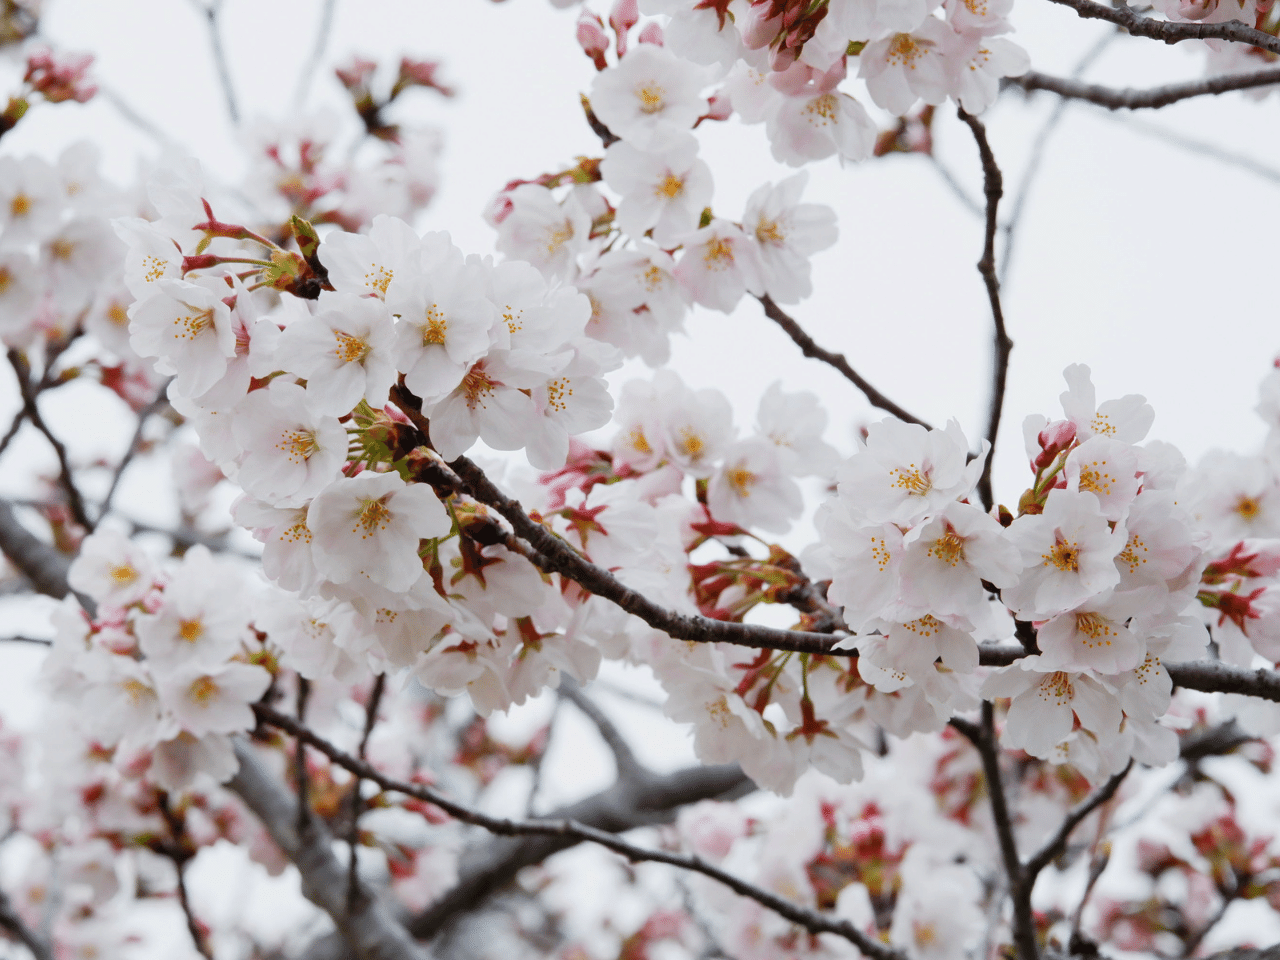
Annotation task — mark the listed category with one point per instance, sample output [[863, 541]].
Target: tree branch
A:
[[13, 925], [1170, 32], [983, 738], [38, 561], [75, 502], [1211, 676], [323, 29], [180, 853], [357, 801], [211, 10], [1152, 99], [1058, 845], [810, 349], [624, 759], [370, 930], [993, 188], [811, 920]]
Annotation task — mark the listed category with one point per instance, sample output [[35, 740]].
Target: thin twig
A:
[[1058, 845], [75, 502], [1150, 99], [13, 925], [126, 110], [36, 640], [180, 852], [312, 62], [1228, 897], [14, 427], [211, 11], [1036, 157], [161, 400], [993, 188], [623, 756], [953, 184], [553, 555], [1201, 147], [810, 920], [983, 738], [1169, 32], [536, 762], [300, 773], [357, 802], [810, 349]]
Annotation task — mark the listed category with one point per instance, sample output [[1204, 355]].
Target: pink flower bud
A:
[[719, 107], [624, 15], [357, 74], [592, 38], [1053, 439], [60, 77], [651, 33], [421, 73], [759, 28]]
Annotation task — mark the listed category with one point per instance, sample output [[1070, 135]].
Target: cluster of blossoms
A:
[[1100, 559]]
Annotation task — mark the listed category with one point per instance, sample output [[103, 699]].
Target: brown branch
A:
[[1058, 845], [180, 852], [370, 931], [357, 802], [12, 924], [1211, 676], [811, 349], [75, 502], [211, 11], [1170, 32], [623, 756], [38, 561], [1151, 99], [983, 738], [993, 189], [811, 920]]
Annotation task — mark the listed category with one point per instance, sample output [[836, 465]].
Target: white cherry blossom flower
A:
[[369, 525], [751, 488], [111, 569], [794, 423], [1127, 419], [1095, 636], [214, 701], [195, 626], [976, 64], [289, 451], [375, 262], [1069, 554], [187, 326], [904, 67], [545, 233], [786, 232], [811, 127], [1106, 468], [345, 352], [650, 97], [664, 190], [718, 266], [1046, 704]]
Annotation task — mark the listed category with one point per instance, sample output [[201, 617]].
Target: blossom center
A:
[[1095, 479], [136, 690], [905, 50], [20, 205], [436, 328], [1063, 555], [123, 574], [153, 268], [203, 690], [194, 324], [62, 249], [350, 349], [670, 187], [1097, 628], [1057, 686], [949, 548], [718, 254], [1248, 507], [6, 279], [768, 231], [926, 626], [558, 392], [1133, 553], [691, 443], [477, 385], [639, 442], [650, 96], [821, 110], [190, 630], [913, 480], [373, 516], [298, 445], [742, 480], [379, 278]]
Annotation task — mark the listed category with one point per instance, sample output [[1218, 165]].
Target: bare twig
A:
[[993, 188], [623, 757], [180, 852], [1212, 676], [211, 11], [811, 920], [300, 773], [1035, 158], [371, 932], [323, 29], [39, 562], [161, 400], [36, 640], [983, 738], [1168, 32], [1152, 99], [949, 178], [1058, 844], [75, 502], [126, 110], [554, 555], [357, 802], [810, 349], [1200, 147], [12, 924], [14, 427], [537, 761]]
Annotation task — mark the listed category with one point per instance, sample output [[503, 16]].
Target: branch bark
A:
[[369, 929], [1170, 32], [811, 349], [1151, 99], [993, 189]]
